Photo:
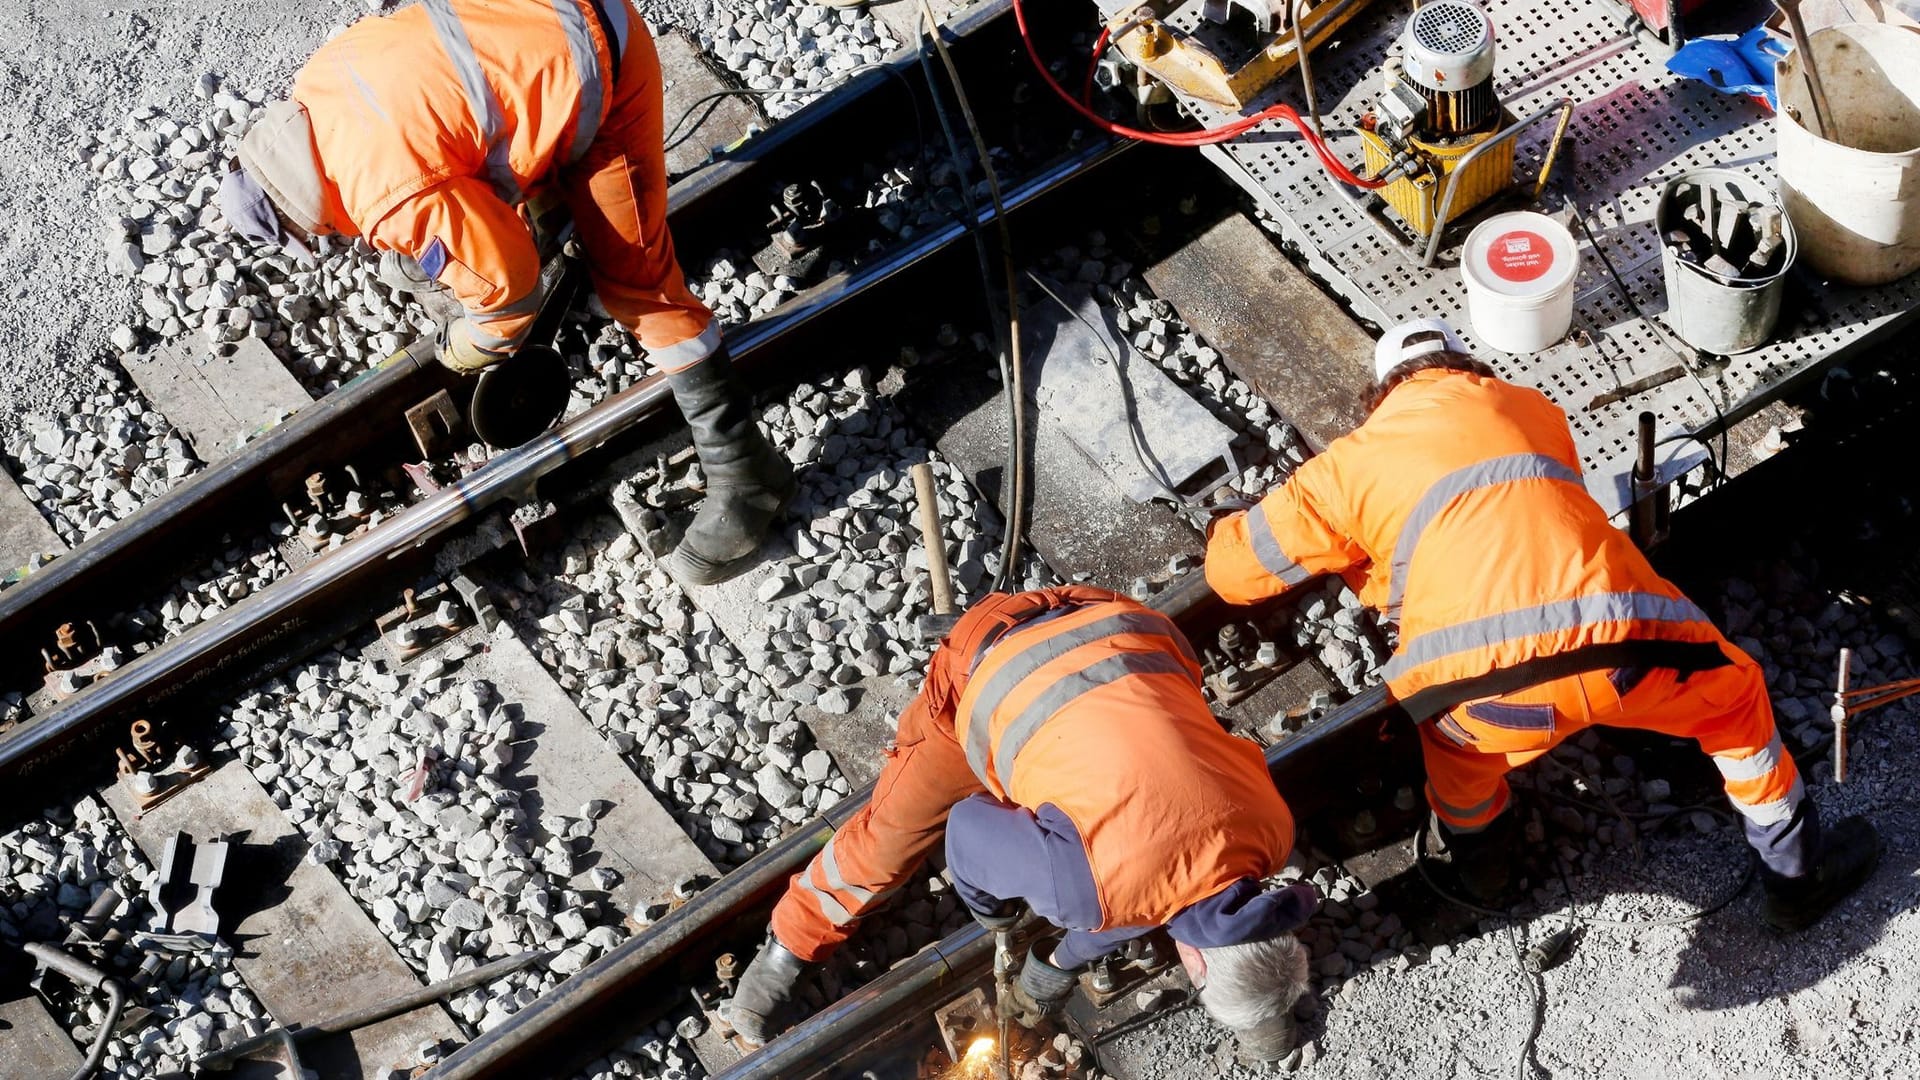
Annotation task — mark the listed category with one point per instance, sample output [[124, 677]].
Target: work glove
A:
[[1006, 918], [1042, 989], [458, 352], [403, 274]]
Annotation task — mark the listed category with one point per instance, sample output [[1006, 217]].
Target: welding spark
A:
[[980, 1051]]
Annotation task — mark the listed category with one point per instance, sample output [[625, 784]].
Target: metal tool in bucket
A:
[[1726, 246]]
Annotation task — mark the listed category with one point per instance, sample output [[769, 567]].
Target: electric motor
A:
[[1448, 50]]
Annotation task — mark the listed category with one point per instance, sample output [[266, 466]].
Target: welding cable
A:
[[1422, 852], [1233, 129], [1013, 373]]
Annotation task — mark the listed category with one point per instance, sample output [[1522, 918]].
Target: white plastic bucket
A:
[[1519, 270], [1855, 201]]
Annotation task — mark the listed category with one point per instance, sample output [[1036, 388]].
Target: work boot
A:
[[748, 482], [766, 1001], [1482, 862], [1275, 1040], [1849, 850]]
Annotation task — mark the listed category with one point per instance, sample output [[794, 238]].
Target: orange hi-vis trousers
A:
[[1470, 750], [877, 850]]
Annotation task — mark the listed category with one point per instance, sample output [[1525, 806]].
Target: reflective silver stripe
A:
[[830, 866], [1752, 768], [1445, 807], [1500, 470], [1038, 655], [689, 352], [1775, 811], [586, 60], [836, 913], [486, 339], [526, 305], [481, 101], [1266, 548], [366, 93], [1056, 697], [1545, 619]]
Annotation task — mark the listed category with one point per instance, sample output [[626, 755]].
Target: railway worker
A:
[[1457, 508], [1061, 743], [435, 133]]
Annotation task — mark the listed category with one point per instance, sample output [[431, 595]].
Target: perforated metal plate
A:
[[1635, 126]]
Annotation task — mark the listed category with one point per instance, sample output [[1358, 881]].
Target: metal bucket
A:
[[1855, 196], [1714, 313]]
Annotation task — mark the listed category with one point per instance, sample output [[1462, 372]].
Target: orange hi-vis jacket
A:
[[1097, 710], [433, 124], [1458, 509]]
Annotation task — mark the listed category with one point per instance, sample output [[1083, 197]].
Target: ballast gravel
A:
[[51, 871]]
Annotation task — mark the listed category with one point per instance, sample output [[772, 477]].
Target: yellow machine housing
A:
[[1416, 198], [1145, 37]]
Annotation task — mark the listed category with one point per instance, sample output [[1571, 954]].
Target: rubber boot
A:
[[1275, 1040], [748, 482], [1482, 862], [1848, 852], [766, 1001]]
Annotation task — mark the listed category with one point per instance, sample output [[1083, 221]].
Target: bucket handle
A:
[[1565, 110]]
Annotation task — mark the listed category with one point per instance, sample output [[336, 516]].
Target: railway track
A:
[[359, 424]]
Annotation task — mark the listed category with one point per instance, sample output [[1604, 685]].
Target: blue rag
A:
[[1742, 65]]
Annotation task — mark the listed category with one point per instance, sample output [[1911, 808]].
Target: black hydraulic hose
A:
[[83, 974], [1013, 369]]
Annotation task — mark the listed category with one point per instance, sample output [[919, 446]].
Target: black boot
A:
[[1847, 854], [748, 481], [766, 1002], [1482, 862]]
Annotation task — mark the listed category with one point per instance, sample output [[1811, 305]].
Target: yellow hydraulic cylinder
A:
[[1417, 199]]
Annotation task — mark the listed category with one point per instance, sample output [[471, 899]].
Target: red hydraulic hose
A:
[[1231, 130]]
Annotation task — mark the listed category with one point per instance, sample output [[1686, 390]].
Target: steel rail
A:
[[908, 992], [670, 953], [182, 523], [319, 593], [125, 557]]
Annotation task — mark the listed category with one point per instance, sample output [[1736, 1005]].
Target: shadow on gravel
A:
[[1735, 958]]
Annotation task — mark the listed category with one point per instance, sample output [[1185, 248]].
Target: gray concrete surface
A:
[[1274, 326], [35, 1043], [23, 532], [688, 78], [562, 759], [218, 402]]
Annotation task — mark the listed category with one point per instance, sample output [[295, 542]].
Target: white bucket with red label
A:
[[1519, 269]]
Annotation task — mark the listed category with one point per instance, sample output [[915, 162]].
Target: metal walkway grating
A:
[[1634, 127]]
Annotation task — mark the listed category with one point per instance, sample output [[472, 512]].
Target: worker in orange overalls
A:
[[1457, 509], [430, 132], [1064, 732]]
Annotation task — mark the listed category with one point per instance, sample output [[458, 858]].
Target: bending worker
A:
[[431, 131], [1064, 731], [1457, 508]]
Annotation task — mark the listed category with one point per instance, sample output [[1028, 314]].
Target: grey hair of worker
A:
[[1248, 985]]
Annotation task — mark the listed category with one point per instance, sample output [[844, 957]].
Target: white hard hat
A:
[[1414, 339]]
